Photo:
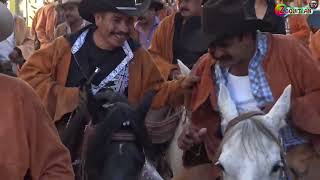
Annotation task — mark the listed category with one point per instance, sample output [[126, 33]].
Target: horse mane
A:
[[251, 132]]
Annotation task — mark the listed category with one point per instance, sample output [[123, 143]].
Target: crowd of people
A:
[[77, 46]]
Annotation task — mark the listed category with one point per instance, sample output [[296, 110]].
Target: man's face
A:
[[114, 28], [189, 8], [71, 12], [147, 16], [230, 51]]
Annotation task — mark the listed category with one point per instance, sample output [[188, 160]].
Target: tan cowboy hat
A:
[[70, 1], [6, 22]]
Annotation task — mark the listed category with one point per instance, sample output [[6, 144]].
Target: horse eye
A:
[[276, 167], [219, 165]]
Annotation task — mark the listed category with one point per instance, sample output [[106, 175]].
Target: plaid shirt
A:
[[260, 87]]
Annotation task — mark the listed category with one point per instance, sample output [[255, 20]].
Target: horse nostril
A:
[[220, 166], [276, 167]]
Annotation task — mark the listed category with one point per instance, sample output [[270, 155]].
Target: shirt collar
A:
[[261, 50]]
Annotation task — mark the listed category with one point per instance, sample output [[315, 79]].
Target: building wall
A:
[[25, 8]]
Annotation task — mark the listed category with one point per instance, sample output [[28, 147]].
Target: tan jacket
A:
[[29, 141], [294, 66], [44, 23], [47, 70], [299, 28], [161, 47]]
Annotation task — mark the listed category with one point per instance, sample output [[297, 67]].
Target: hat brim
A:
[[198, 40], [157, 5], [87, 12], [70, 2]]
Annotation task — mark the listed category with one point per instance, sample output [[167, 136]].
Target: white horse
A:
[[174, 153], [251, 149]]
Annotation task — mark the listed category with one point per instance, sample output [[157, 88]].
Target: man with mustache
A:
[[56, 72], [30, 145], [255, 67], [148, 23], [74, 21], [167, 43]]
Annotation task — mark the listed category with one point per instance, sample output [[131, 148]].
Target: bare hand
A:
[[191, 136], [16, 56], [174, 74], [189, 82]]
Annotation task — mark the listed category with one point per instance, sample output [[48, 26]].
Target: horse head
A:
[[121, 159], [251, 148]]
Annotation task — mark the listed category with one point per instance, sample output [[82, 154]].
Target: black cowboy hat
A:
[[156, 4], [88, 8], [224, 18]]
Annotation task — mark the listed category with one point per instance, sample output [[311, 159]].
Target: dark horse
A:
[[102, 155]]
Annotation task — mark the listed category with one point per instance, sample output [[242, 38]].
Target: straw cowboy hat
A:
[[223, 18], [63, 2], [88, 8], [6, 22]]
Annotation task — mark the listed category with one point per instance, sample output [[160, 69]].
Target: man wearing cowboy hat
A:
[[30, 145], [167, 42], [148, 23], [256, 67], [74, 21], [104, 48]]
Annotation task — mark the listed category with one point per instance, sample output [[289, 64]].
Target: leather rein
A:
[[248, 116]]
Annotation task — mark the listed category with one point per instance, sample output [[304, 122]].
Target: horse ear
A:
[[183, 68], [276, 116], [227, 107]]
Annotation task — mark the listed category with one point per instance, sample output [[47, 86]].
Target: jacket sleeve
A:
[[49, 159], [46, 24], [162, 40], [169, 92], [305, 71], [299, 28], [40, 72], [40, 27], [156, 45]]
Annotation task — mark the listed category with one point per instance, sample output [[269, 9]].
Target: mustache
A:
[[184, 9], [140, 18], [223, 58], [121, 33]]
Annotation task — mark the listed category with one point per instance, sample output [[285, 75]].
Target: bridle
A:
[[248, 116]]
